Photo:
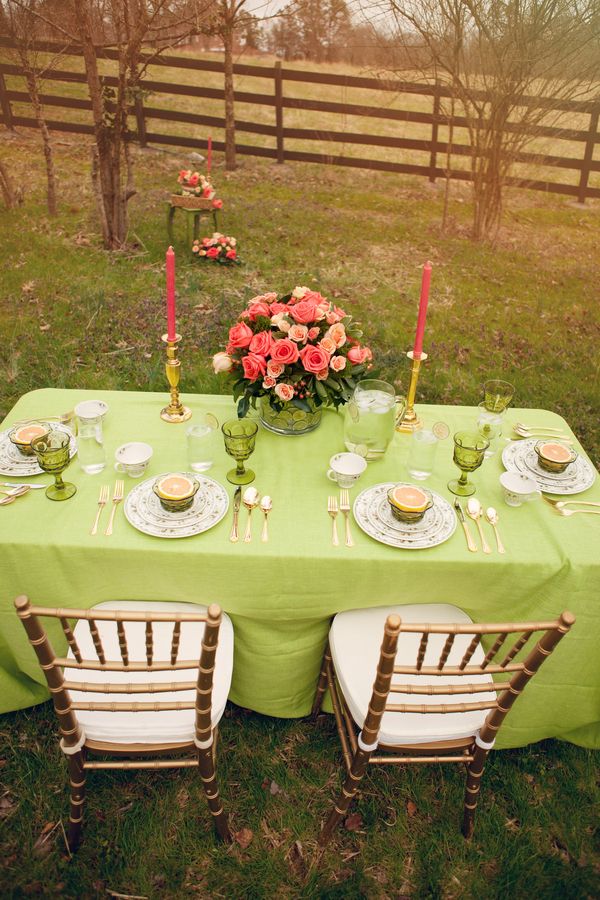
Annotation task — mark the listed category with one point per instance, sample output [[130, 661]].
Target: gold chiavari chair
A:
[[143, 683], [439, 695]]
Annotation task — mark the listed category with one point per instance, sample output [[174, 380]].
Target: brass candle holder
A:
[[175, 411], [410, 421]]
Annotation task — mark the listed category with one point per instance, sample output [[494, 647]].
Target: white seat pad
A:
[[164, 726], [355, 640]]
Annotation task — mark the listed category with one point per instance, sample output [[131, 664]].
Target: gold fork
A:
[[102, 501], [573, 512], [117, 497], [345, 509], [560, 504], [332, 509]]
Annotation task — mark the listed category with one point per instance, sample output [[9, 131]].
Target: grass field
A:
[[72, 315]]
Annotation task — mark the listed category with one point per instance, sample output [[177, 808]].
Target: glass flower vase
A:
[[290, 419]]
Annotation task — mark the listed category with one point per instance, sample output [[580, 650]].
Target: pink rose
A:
[[231, 254], [258, 309], [314, 296], [337, 363], [217, 204], [261, 343], [313, 333], [358, 355], [314, 359], [213, 252], [240, 335], [193, 180], [254, 366], [284, 351], [278, 308], [285, 392], [328, 345], [268, 382], [274, 369], [337, 333], [206, 192], [222, 362], [332, 317], [304, 311], [298, 333]]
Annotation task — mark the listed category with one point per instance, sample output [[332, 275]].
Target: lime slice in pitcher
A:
[[441, 431], [211, 421]]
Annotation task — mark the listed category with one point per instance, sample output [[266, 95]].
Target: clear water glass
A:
[[370, 418], [90, 445], [489, 425], [421, 457], [201, 446]]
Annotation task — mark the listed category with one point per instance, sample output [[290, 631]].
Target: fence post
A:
[[140, 119], [434, 133], [279, 111], [588, 155], [5, 104]]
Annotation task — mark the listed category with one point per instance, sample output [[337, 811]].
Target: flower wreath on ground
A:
[[299, 349], [220, 248], [197, 185]]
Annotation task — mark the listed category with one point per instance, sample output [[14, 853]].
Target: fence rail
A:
[[277, 100]]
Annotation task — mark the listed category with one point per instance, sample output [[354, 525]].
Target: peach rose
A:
[[313, 333], [284, 391], [268, 382], [299, 292], [323, 374], [298, 333], [328, 345], [337, 333], [284, 351], [358, 355], [314, 359], [304, 311], [274, 369], [222, 362], [240, 335], [254, 366], [261, 343], [337, 363]]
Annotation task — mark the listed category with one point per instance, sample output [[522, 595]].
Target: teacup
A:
[[132, 459], [518, 488], [346, 468], [555, 456], [89, 410]]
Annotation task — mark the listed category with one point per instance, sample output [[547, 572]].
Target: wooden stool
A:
[[196, 215]]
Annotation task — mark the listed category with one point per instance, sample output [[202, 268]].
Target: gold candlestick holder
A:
[[410, 421], [175, 411]]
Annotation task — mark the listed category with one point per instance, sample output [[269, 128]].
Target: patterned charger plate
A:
[[372, 513], [143, 510], [14, 463], [520, 456]]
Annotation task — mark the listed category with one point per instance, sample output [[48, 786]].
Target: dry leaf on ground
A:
[[411, 808], [354, 822], [244, 837]]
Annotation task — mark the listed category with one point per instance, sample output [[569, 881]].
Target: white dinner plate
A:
[[520, 456], [143, 510], [13, 463], [373, 514]]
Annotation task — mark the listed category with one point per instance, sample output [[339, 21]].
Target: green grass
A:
[[527, 310]]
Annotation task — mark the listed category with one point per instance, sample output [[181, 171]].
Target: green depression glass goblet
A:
[[469, 453], [52, 453], [240, 437], [497, 395]]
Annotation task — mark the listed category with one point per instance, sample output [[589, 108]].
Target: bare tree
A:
[[501, 59], [12, 196], [20, 22]]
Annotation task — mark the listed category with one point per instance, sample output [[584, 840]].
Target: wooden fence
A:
[[431, 147]]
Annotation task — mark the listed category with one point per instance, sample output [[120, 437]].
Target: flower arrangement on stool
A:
[[295, 354], [196, 191], [220, 248]]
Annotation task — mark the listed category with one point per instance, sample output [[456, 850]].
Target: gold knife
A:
[[461, 517], [237, 499]]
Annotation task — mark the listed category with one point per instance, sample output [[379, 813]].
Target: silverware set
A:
[[533, 431], [560, 506], [17, 490], [103, 499], [476, 513], [333, 508], [251, 500]]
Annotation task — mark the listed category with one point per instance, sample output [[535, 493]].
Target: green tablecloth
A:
[[281, 595]]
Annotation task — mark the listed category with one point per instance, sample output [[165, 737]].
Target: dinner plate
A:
[[143, 510], [374, 516], [520, 456], [12, 462]]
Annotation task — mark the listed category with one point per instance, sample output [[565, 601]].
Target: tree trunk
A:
[[9, 194], [32, 87], [230, 163]]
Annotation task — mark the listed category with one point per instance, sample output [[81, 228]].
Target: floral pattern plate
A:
[[143, 510], [14, 463], [520, 456], [372, 513]]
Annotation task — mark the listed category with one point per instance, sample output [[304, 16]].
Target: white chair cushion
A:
[[355, 640], [164, 726]]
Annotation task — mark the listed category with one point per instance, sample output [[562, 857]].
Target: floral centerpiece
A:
[[197, 188], [220, 248], [295, 354]]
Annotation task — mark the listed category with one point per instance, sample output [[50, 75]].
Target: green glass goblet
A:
[[469, 453], [240, 437], [52, 453], [497, 395]]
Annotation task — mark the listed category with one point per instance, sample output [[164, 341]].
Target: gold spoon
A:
[[492, 517], [266, 504], [251, 499], [474, 511]]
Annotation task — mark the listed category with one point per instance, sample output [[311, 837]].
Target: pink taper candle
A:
[[170, 294], [426, 281], [209, 155]]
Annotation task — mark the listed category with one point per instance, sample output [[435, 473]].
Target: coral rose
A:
[[261, 343], [268, 382], [217, 204], [314, 359], [298, 333], [222, 362], [258, 309], [274, 369], [240, 335], [285, 392], [284, 351], [313, 333], [278, 308], [254, 366], [193, 179], [337, 363], [358, 355], [213, 252], [304, 311], [231, 254]]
